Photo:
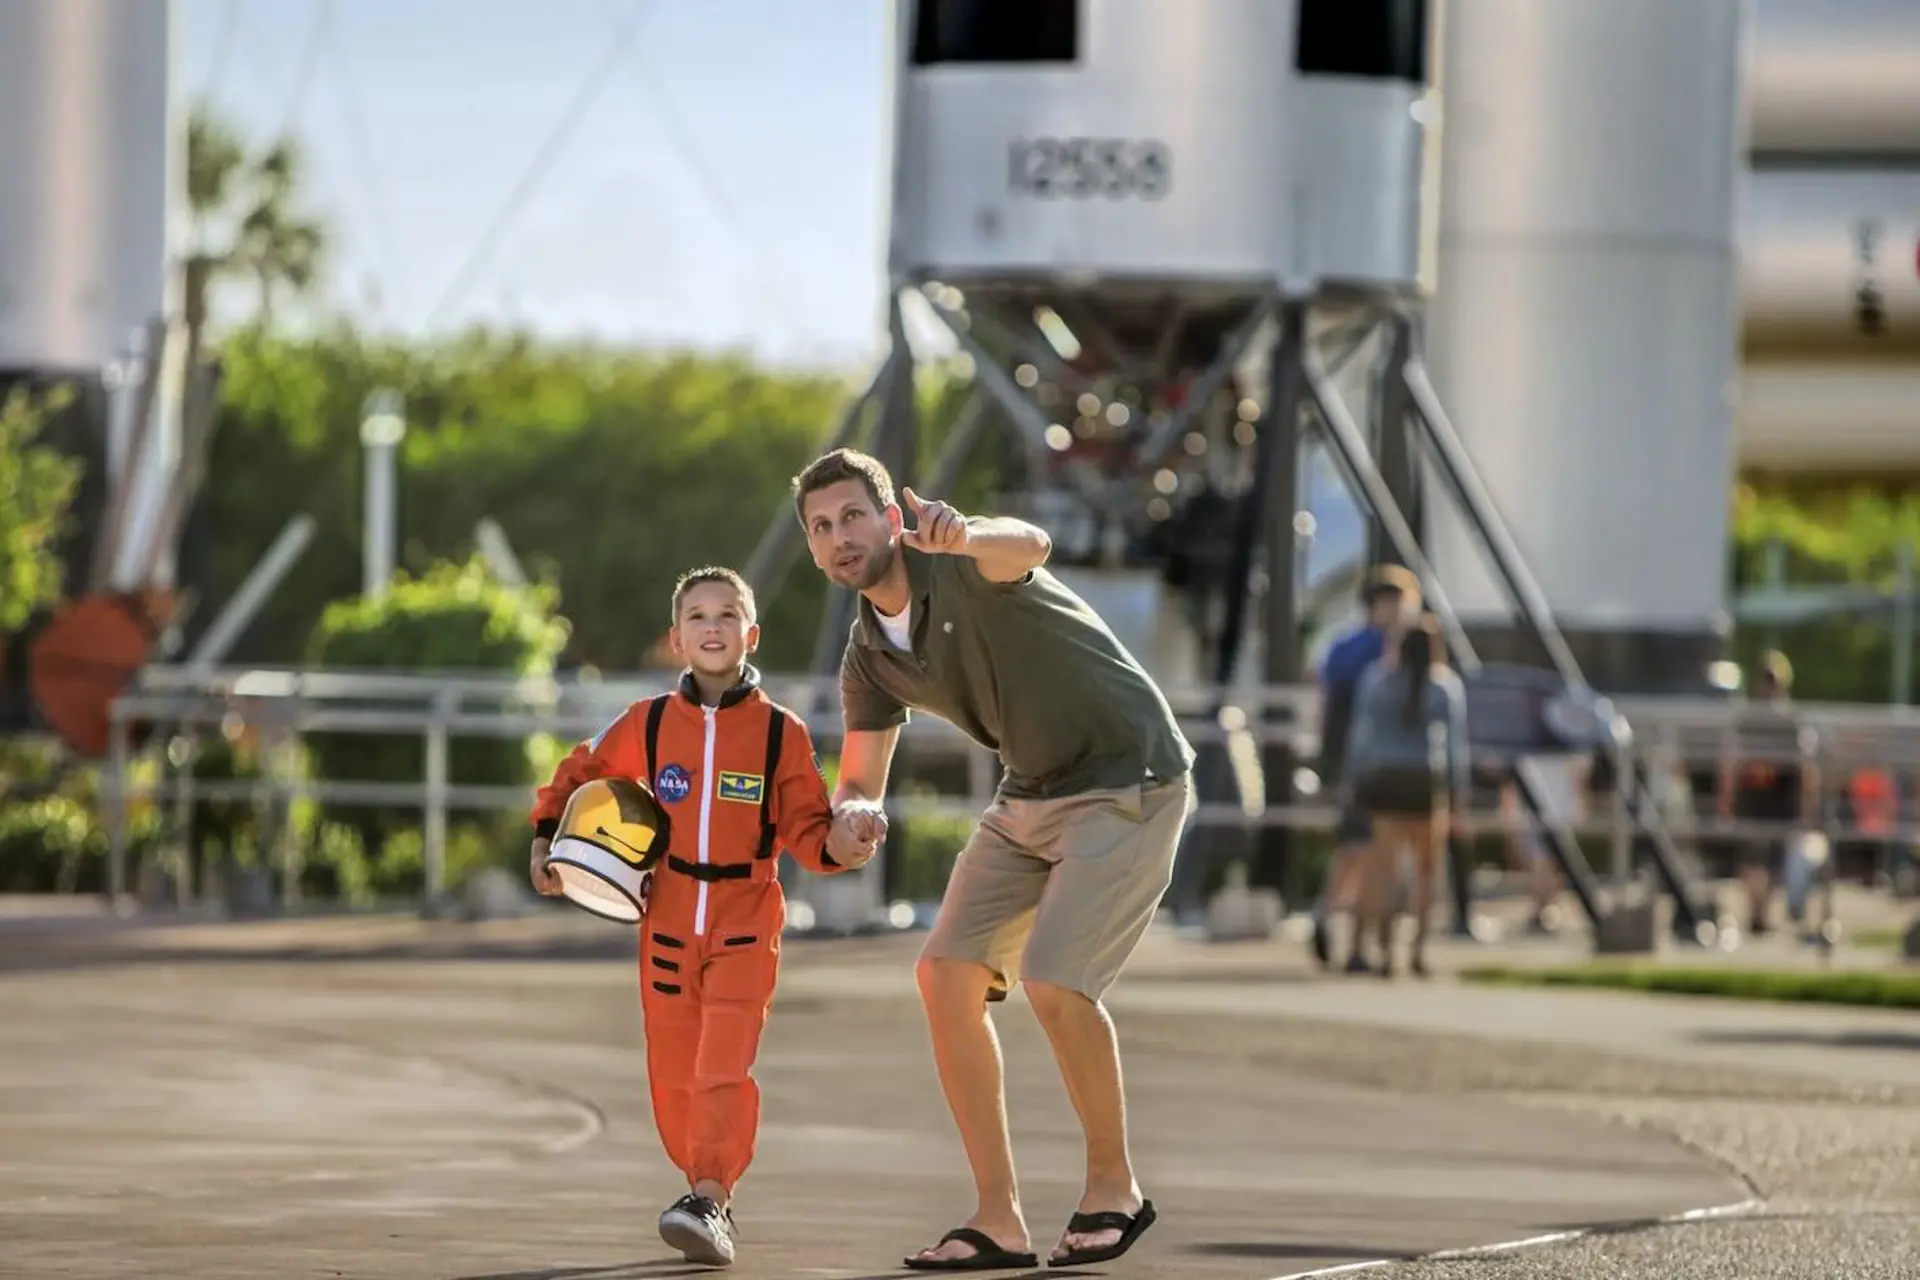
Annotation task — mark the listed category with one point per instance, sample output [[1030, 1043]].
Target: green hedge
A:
[[36, 485], [455, 618]]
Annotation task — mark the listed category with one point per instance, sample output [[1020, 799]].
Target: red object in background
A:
[[1876, 801], [84, 657]]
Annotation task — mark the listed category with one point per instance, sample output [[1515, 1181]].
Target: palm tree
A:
[[246, 223], [245, 226]]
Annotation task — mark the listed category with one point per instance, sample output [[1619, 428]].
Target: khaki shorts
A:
[[1061, 891]]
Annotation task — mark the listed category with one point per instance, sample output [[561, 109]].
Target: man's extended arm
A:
[[1006, 549]]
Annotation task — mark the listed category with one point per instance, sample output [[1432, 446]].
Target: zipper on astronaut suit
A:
[[706, 814]]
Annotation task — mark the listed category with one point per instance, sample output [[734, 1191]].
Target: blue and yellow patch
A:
[[744, 787]]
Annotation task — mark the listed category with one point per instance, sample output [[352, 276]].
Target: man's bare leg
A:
[[1379, 886], [1339, 894], [1757, 879], [967, 1052], [1088, 1052], [1343, 889]]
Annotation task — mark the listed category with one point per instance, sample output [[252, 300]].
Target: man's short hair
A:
[[713, 573], [1772, 669], [843, 464], [1389, 582]]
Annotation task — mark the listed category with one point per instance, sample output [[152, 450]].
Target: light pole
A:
[[381, 430]]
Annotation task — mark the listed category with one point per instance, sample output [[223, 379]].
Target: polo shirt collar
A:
[[866, 629]]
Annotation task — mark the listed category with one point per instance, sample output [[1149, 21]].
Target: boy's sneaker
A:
[[699, 1229]]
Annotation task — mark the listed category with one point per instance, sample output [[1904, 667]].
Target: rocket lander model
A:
[[91, 193], [1830, 245], [1151, 226]]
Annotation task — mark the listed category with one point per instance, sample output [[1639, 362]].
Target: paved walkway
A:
[[462, 1107]]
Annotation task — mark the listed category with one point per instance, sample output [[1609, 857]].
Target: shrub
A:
[[456, 618]]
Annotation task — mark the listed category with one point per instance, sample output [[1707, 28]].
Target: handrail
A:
[[269, 682], [1679, 735]]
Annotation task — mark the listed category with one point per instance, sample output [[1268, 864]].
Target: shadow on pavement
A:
[[1274, 976], [1907, 1040], [25, 953], [27, 959], [1279, 1249], [655, 1269]]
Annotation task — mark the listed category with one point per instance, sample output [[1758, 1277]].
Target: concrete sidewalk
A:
[[1171, 973], [489, 1121], [1863, 1048], [385, 1096]]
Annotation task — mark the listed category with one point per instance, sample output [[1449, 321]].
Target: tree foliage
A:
[[247, 221], [454, 618], [37, 484], [1842, 535], [611, 472], [1829, 537]]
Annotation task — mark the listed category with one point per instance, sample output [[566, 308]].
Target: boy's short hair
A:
[[713, 573], [836, 466]]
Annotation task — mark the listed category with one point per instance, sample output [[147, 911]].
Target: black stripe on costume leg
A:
[[661, 962], [665, 941], [740, 940], [666, 988]]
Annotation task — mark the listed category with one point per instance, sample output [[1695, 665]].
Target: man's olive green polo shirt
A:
[[1026, 669]]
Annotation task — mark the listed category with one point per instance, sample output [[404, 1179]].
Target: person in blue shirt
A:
[[1390, 595], [1409, 762]]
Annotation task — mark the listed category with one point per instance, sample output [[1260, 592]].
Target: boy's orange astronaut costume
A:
[[738, 782]]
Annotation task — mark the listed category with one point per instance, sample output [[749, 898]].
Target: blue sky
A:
[[749, 211], [724, 187]]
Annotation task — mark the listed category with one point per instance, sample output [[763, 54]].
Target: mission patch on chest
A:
[[744, 787]]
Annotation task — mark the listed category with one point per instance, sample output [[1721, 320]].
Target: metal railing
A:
[[1672, 736]]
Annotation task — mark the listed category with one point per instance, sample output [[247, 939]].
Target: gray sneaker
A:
[[699, 1229]]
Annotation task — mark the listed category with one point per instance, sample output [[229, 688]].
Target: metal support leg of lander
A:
[[1446, 454], [1385, 479]]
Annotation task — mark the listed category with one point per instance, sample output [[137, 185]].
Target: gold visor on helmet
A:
[[611, 836]]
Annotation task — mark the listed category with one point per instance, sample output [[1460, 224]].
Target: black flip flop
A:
[[1129, 1225], [987, 1255]]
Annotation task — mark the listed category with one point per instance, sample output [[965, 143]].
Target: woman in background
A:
[[1407, 761]]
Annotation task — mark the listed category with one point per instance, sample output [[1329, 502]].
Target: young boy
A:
[[738, 778]]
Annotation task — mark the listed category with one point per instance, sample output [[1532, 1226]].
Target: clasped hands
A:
[[858, 828]]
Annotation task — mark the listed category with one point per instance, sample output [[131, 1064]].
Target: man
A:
[[959, 617], [1777, 783], [1566, 798], [1390, 595]]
